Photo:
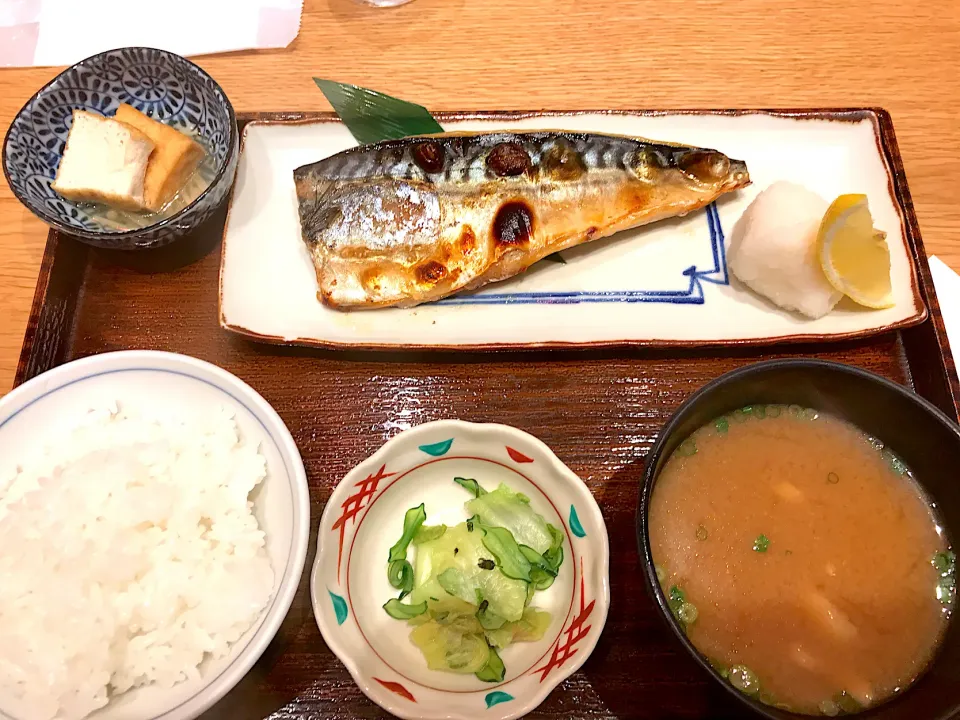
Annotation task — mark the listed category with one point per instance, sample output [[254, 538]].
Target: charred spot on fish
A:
[[513, 224], [562, 162], [508, 159], [372, 279], [327, 296], [590, 232], [429, 156], [430, 273], [707, 166], [468, 240]]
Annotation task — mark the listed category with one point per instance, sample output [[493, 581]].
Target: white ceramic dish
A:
[[164, 382], [364, 517], [665, 284]]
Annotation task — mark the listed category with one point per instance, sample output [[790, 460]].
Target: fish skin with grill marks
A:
[[409, 221]]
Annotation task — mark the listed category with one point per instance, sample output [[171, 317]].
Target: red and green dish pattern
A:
[[564, 648]]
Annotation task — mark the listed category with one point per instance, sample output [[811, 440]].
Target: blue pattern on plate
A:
[[339, 607], [438, 448], [691, 295], [162, 85], [497, 697], [575, 527]]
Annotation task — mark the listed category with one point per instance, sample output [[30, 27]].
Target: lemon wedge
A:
[[854, 256]]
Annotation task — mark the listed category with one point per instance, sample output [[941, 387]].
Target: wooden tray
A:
[[599, 410]]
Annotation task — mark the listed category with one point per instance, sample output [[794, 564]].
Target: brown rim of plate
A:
[[886, 145]]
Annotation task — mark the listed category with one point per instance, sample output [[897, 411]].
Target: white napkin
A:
[[62, 32], [947, 284]]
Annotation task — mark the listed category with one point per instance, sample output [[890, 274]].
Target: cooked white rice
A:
[[129, 553]]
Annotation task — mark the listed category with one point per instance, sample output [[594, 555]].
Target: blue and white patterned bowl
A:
[[160, 84]]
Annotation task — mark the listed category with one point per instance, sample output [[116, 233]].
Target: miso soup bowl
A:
[[920, 434]]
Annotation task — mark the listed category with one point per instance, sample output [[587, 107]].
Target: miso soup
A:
[[802, 559]]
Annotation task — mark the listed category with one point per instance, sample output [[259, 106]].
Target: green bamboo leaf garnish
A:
[[371, 116]]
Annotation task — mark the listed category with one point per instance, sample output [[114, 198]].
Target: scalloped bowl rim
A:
[[559, 471]]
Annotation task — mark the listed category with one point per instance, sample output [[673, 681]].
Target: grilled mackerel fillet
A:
[[404, 222]]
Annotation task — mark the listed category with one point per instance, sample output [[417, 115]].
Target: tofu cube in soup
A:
[[104, 161]]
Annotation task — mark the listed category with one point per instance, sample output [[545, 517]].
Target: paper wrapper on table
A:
[[63, 32], [947, 284]]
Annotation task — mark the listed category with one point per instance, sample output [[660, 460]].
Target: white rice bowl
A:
[[136, 543]]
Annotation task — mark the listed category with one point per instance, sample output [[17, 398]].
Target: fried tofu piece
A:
[[174, 160], [104, 161]]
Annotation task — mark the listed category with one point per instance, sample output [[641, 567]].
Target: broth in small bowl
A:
[[132, 185], [795, 522]]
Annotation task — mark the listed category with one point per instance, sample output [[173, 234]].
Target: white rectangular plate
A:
[[663, 284]]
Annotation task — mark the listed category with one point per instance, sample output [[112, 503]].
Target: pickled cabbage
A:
[[456, 556], [470, 587], [509, 510]]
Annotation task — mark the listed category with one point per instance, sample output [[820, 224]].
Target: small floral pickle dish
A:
[[365, 516]]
